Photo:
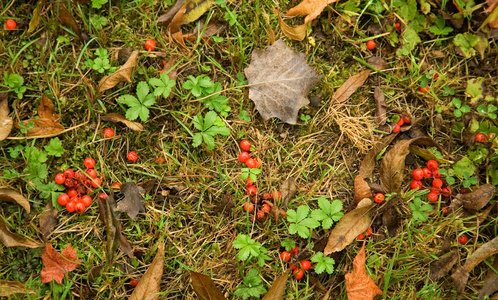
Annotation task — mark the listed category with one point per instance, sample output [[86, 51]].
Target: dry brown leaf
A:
[[6, 122], [226, 204], [10, 239], [349, 227], [490, 285], [288, 189], [277, 289], [391, 219], [296, 33], [214, 26], [68, 20], [309, 8], [35, 20], [165, 19], [349, 87], [204, 287], [361, 189], [441, 266], [132, 203], [118, 118], [378, 63], [477, 199], [380, 106], [8, 288], [48, 220], [174, 26], [427, 155], [149, 284], [122, 74], [48, 123], [14, 196], [359, 285], [368, 164], [57, 264], [280, 81]]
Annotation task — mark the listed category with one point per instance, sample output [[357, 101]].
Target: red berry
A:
[[294, 251], [445, 210], [435, 191], [79, 175], [285, 256], [96, 182], [248, 206], [397, 26], [266, 208], [463, 239], [432, 197], [103, 196], [245, 145], [481, 137], [401, 122], [396, 128], [361, 237], [432, 165], [418, 174], [251, 163], [63, 199], [379, 198], [132, 156], [369, 231], [293, 267], [133, 282], [260, 216], [72, 193], [70, 206], [437, 183], [423, 90], [276, 195], [10, 24], [160, 160], [258, 162], [86, 200], [116, 185], [249, 181], [416, 184], [108, 133], [427, 173], [464, 190], [92, 173], [436, 174], [406, 119], [371, 44], [306, 265], [298, 274], [446, 191], [266, 196], [60, 178], [69, 173], [251, 190], [150, 45], [89, 163], [244, 156], [79, 207]]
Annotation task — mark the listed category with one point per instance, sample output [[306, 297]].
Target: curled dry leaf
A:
[[204, 287], [174, 26], [122, 74], [149, 284], [48, 220], [349, 87], [475, 200], [48, 123], [68, 20], [10, 239], [195, 9], [118, 118], [380, 106], [6, 122], [8, 288], [490, 284], [165, 19], [280, 81], [368, 164], [288, 190], [296, 33], [14, 196], [277, 289], [309, 8], [214, 26], [132, 203], [361, 189], [112, 226], [349, 227], [443, 265], [359, 285]]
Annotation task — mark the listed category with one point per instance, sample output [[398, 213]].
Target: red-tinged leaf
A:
[[359, 285], [277, 289], [309, 8], [148, 286], [204, 287], [350, 86], [8, 288], [57, 264]]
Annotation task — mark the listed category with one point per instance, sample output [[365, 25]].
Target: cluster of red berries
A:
[[481, 137], [298, 271], [245, 157], [402, 121], [369, 233], [10, 24], [265, 207], [431, 171], [78, 186]]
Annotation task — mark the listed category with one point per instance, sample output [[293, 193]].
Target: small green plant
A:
[[98, 3], [101, 62], [469, 180], [323, 263], [209, 126], [162, 85], [459, 108], [489, 110], [447, 91], [249, 248], [328, 213], [467, 42], [288, 244], [440, 27], [138, 106], [305, 119], [15, 82], [252, 286], [251, 173], [98, 21], [300, 221], [418, 210], [55, 147], [244, 116], [198, 85], [202, 86]]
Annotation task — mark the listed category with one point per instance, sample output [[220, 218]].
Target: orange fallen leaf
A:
[[350, 86], [309, 8], [358, 284], [57, 264]]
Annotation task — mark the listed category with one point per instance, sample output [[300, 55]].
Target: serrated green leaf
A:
[[291, 216], [288, 244], [318, 214], [327, 223], [209, 140], [209, 119], [197, 139], [142, 90], [133, 112], [310, 223], [129, 100], [54, 147], [302, 212]]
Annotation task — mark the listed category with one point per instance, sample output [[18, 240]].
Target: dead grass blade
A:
[[205, 288], [148, 286], [349, 87]]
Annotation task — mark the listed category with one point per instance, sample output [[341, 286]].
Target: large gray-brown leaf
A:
[[361, 189], [118, 118], [10, 239], [280, 81], [8, 288], [477, 199], [6, 122], [349, 87], [380, 106], [14, 196], [122, 74], [490, 285], [368, 164], [349, 227], [48, 220], [132, 203], [277, 289], [444, 264], [149, 285], [204, 287]]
